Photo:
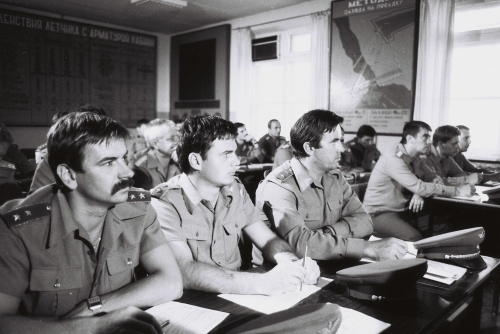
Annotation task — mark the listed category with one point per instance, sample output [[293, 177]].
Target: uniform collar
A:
[[192, 197], [402, 153], [61, 220], [436, 153], [304, 181]]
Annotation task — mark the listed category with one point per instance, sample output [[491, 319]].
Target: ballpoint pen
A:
[[165, 323], [303, 265]]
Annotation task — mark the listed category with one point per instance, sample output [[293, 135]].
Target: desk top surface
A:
[[439, 301]]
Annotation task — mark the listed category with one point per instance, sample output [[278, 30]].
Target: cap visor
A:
[[474, 264], [411, 306]]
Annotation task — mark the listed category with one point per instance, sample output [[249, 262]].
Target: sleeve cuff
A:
[[340, 230], [355, 248]]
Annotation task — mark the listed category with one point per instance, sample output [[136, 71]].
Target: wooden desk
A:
[[440, 306]]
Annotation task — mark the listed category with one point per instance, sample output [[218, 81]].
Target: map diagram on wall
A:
[[372, 63]]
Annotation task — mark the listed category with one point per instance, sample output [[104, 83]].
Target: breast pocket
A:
[[55, 291], [232, 234], [195, 233], [121, 267], [312, 216]]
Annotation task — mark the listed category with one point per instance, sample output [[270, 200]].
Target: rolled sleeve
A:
[[152, 236], [169, 219]]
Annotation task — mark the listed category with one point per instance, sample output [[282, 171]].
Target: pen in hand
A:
[[165, 323], [303, 265]]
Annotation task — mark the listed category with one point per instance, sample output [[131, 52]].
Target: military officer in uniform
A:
[[204, 212], [308, 201], [269, 143], [363, 151], [247, 148], [70, 250]]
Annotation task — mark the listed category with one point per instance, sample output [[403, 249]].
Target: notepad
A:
[[185, 318], [357, 322]]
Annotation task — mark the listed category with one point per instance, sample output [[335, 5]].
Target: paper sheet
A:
[[357, 322], [272, 304], [186, 319]]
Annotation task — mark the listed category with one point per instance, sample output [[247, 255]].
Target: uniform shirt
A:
[[360, 156], [445, 167], [7, 171], [47, 260], [268, 146], [212, 235], [43, 175], [248, 152], [283, 153], [396, 178], [302, 209], [158, 172], [465, 164], [16, 157]]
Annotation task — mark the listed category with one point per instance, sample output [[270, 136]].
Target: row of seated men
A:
[[71, 249]]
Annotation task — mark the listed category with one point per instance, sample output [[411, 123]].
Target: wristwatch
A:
[[95, 304]]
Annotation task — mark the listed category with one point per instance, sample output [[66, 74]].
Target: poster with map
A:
[[373, 63], [49, 65]]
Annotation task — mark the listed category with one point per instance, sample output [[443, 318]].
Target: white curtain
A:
[[241, 77], [435, 47], [320, 61]]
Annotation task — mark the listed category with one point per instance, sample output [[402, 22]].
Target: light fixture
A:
[[161, 5]]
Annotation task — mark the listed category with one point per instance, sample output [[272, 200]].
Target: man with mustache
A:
[[308, 201], [205, 211], [398, 183], [69, 251]]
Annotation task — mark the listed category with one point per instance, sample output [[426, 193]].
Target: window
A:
[[474, 91], [281, 87]]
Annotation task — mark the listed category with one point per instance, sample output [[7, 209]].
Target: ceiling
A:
[[198, 13]]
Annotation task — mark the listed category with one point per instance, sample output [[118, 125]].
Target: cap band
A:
[[366, 296], [463, 252]]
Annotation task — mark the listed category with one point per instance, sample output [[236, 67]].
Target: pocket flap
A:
[[231, 228], [55, 279], [194, 231], [124, 260]]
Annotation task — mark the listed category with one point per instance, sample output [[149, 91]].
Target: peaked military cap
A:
[[313, 318], [459, 247], [388, 284]]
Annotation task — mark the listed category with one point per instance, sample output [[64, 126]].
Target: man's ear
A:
[[67, 176], [410, 139], [308, 148], [195, 160]]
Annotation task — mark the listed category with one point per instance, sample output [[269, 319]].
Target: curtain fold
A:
[[435, 50], [320, 61], [241, 76]]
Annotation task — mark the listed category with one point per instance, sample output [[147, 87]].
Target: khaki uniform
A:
[[328, 217], [268, 146], [43, 175], [283, 153], [249, 153], [159, 174], [445, 167], [211, 234], [48, 262], [359, 156], [7, 171]]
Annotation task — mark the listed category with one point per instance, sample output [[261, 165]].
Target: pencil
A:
[[165, 323], [303, 265]]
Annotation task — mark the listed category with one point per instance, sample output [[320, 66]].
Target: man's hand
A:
[[385, 249], [284, 277], [466, 190], [127, 320], [312, 271], [472, 178], [416, 203], [437, 180], [250, 139]]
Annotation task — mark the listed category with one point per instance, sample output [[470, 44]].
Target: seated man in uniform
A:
[[310, 202], [247, 148], [204, 212], [269, 143], [70, 250], [363, 151], [162, 138], [398, 182], [460, 158], [445, 145], [138, 143]]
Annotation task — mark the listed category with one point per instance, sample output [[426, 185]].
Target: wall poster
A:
[[49, 65], [373, 63]]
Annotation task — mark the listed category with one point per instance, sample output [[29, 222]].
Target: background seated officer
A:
[[204, 212], [283, 153], [162, 138], [445, 145], [460, 159], [364, 153], [312, 204], [247, 148], [398, 179], [83, 238], [269, 143]]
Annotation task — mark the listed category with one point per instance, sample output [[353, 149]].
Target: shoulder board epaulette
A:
[[285, 174], [139, 196], [14, 146], [26, 214], [353, 143], [399, 154], [160, 189], [7, 165], [141, 160]]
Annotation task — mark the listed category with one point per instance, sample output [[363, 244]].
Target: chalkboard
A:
[[49, 65]]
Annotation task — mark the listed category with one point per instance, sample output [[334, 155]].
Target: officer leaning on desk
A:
[[69, 251]]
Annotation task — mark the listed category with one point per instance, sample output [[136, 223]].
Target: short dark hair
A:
[[366, 130], [142, 121], [462, 127], [197, 135], [75, 132], [58, 116], [238, 125], [5, 136], [310, 127], [444, 134], [91, 108], [271, 122], [412, 128]]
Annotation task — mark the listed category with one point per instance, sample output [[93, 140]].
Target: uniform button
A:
[[57, 285], [129, 262], [89, 252], [236, 225], [215, 241], [197, 233]]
